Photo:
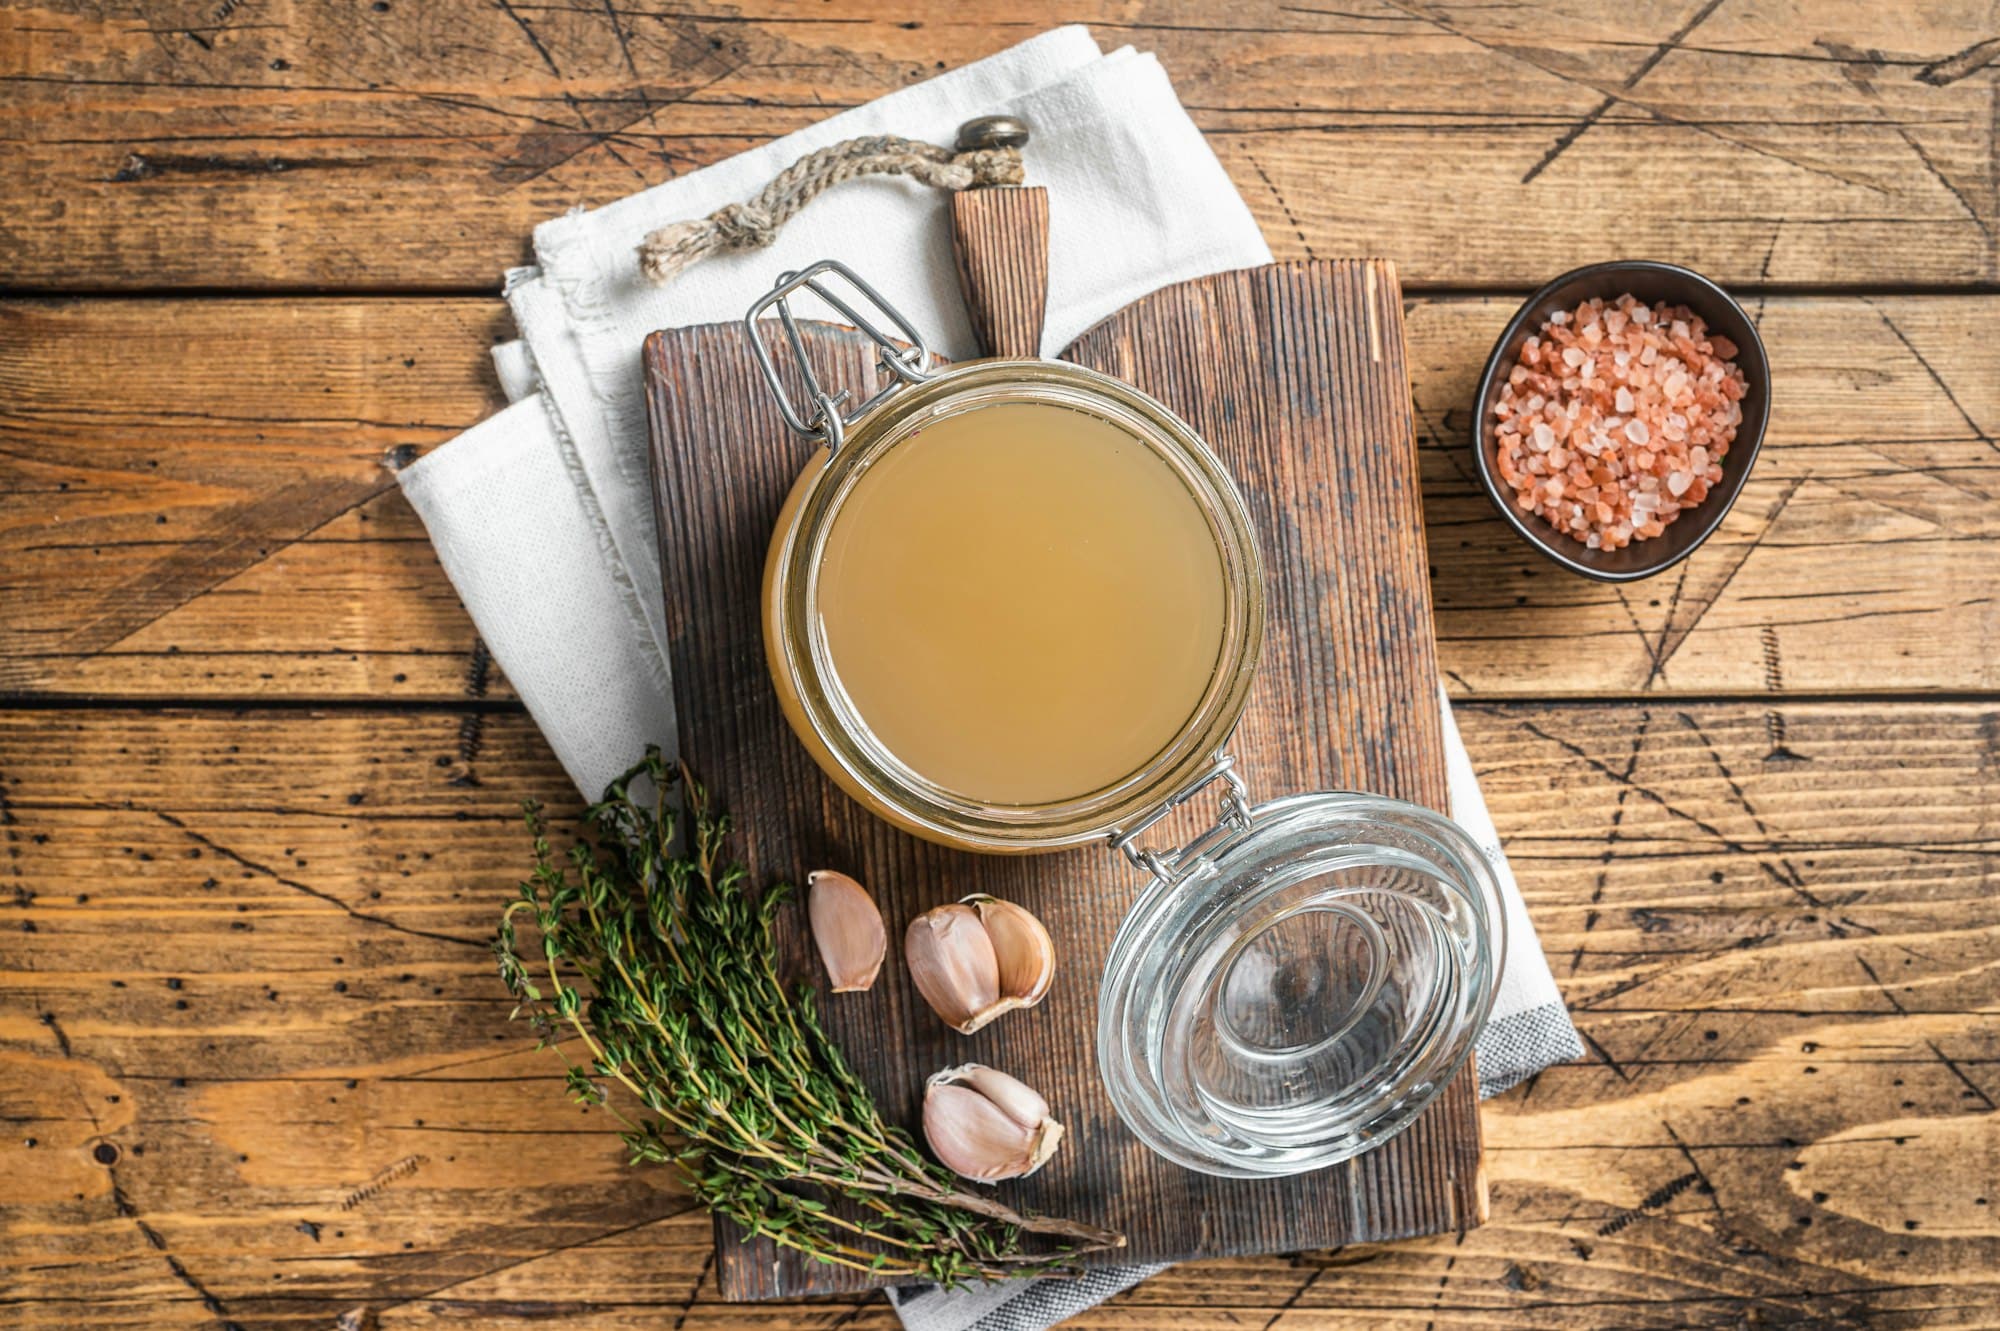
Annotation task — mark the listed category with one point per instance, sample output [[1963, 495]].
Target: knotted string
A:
[[755, 224]]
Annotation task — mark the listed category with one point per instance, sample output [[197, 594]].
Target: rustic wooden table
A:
[[258, 778]]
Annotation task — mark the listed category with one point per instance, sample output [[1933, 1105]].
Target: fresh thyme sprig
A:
[[662, 967]]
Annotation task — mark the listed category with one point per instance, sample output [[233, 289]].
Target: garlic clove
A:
[[847, 926], [985, 1125], [951, 959], [1026, 953]]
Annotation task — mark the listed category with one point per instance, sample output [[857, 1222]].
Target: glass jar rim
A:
[[798, 644]]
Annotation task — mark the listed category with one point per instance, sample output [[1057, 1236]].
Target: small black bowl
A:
[[1650, 282]]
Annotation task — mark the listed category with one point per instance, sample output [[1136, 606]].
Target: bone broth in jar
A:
[[1016, 605], [992, 585]]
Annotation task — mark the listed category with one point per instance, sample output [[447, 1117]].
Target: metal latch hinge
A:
[[1168, 864]]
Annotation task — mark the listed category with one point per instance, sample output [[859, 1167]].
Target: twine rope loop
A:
[[756, 222]]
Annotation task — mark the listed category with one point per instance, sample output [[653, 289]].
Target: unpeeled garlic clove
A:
[[847, 926], [979, 958], [983, 1124], [951, 959], [1021, 943]]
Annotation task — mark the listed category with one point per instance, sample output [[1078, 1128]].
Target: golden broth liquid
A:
[[1023, 601]]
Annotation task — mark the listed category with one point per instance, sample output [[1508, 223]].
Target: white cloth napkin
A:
[[542, 518]]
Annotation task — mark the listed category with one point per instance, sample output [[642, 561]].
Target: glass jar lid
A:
[[1297, 985]]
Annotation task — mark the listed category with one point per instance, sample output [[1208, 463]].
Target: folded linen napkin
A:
[[541, 515]]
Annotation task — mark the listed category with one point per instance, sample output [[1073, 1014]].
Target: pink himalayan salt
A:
[[1615, 419]]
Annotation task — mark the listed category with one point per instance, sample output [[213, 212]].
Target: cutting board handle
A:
[[1000, 237]]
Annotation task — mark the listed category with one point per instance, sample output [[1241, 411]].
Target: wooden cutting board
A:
[[1294, 373]]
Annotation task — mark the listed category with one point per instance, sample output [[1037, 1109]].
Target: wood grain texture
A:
[[1864, 555], [1295, 376], [1000, 240], [300, 145], [218, 515], [218, 962]]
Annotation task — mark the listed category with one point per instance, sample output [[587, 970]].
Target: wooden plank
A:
[[1781, 957], [1792, 141], [1861, 557], [1294, 375], [181, 518]]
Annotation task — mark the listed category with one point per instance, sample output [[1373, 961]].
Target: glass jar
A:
[[1296, 983]]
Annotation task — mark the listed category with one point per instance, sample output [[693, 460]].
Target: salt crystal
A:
[[1573, 356], [1636, 431], [1678, 482], [1623, 399], [1544, 437]]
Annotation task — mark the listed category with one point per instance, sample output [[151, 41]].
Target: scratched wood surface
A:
[[258, 780], [253, 1032], [288, 144]]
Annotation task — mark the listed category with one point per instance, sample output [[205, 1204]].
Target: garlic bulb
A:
[[847, 926], [979, 958], [983, 1124]]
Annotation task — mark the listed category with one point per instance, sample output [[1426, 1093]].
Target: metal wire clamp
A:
[[906, 355]]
